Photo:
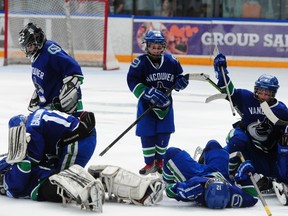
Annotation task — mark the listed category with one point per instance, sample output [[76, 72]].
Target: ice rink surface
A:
[[107, 95]]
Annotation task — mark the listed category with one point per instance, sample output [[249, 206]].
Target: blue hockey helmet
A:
[[17, 120], [31, 35], [217, 194], [155, 37], [267, 82]]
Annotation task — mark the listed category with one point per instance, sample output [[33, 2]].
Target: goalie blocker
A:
[[125, 186]]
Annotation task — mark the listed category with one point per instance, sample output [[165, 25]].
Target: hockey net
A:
[[79, 26]]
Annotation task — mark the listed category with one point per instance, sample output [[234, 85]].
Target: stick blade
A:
[[198, 76]]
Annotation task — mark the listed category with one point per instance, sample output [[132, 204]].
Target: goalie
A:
[[46, 154], [55, 74]]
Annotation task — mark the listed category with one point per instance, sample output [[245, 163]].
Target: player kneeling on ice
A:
[[208, 184], [256, 135], [124, 186], [42, 147]]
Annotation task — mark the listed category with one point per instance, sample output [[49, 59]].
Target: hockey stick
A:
[[270, 115], [168, 92], [198, 76], [222, 95], [240, 155], [215, 53]]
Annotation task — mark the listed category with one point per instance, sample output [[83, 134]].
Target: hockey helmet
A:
[[266, 82], [155, 37], [217, 194], [17, 120], [31, 35]]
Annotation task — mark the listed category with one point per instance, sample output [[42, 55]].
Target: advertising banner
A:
[[261, 39]]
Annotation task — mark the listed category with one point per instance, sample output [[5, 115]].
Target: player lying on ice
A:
[[208, 184], [42, 165], [255, 136]]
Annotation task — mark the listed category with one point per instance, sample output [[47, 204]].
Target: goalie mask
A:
[[31, 39], [155, 44], [266, 87], [217, 194]]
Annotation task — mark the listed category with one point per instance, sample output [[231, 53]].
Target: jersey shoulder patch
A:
[[53, 49]]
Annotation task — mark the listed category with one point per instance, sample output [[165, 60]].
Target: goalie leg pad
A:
[[78, 185], [18, 139], [130, 187]]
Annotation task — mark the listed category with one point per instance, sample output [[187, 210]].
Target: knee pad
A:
[[237, 140], [171, 152]]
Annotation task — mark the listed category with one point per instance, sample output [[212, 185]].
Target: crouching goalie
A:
[[122, 185], [73, 185]]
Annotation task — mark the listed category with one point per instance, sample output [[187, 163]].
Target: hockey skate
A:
[[149, 168], [281, 191], [159, 166], [198, 155], [264, 183]]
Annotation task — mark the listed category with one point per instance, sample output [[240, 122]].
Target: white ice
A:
[[107, 95]]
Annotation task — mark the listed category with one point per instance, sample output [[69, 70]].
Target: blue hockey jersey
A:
[[144, 74], [263, 133], [45, 156], [49, 69]]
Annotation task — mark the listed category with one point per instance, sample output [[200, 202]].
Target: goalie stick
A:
[[270, 115], [266, 207], [168, 92]]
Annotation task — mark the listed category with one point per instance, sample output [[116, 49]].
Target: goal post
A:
[[80, 27]]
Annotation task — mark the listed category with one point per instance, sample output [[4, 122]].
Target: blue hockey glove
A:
[[157, 97], [190, 189], [219, 63], [243, 171], [181, 83]]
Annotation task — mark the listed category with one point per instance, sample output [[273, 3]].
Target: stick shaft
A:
[[168, 92], [256, 187]]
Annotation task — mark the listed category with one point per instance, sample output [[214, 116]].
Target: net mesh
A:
[[77, 25]]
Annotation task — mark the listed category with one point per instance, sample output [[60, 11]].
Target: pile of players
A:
[[50, 147]]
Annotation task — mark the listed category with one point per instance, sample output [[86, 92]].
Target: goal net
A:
[[79, 26]]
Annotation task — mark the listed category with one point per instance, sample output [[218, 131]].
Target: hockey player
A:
[[55, 74], [255, 135], [208, 184], [47, 151], [149, 77]]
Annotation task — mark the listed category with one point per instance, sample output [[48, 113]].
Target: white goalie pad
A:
[[78, 185], [130, 187], [17, 144]]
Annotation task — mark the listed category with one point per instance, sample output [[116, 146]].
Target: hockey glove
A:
[[86, 125], [157, 97], [244, 171], [219, 63], [68, 96], [181, 83], [189, 190]]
